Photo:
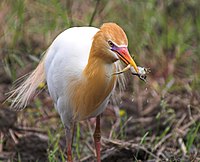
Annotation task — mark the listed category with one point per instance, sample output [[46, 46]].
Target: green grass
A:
[[55, 153], [77, 140], [191, 136]]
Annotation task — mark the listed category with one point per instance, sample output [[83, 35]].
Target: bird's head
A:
[[112, 43]]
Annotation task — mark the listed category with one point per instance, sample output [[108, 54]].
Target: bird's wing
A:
[[66, 58]]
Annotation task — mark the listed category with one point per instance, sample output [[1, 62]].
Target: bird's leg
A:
[[97, 138], [69, 139]]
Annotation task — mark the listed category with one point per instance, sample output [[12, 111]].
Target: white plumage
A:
[[66, 58]]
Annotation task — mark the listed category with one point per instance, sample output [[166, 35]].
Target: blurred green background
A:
[[164, 35]]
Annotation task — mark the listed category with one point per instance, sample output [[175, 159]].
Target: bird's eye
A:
[[111, 44]]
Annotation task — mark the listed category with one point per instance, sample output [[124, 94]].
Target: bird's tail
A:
[[21, 95]]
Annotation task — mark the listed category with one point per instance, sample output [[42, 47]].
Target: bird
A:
[[80, 69]]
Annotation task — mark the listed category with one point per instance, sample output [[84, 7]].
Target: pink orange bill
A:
[[124, 55]]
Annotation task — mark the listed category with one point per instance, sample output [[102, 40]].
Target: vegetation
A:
[[156, 121]]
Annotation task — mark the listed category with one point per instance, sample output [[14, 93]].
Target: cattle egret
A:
[[80, 68]]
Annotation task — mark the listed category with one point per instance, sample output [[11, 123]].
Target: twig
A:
[[151, 106], [117, 122], [150, 153], [115, 142], [29, 129], [180, 121], [160, 153], [182, 145], [1, 141], [195, 118], [129, 145], [13, 136], [6, 155], [162, 140], [142, 120], [90, 129], [90, 147], [86, 158], [123, 126], [109, 152], [69, 4], [42, 119], [189, 112], [94, 13]]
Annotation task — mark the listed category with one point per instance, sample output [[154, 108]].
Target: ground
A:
[[160, 131]]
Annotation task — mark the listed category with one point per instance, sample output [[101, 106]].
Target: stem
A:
[[94, 13]]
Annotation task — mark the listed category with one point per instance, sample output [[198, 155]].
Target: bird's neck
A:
[[94, 87]]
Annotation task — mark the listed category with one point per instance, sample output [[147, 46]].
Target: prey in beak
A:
[[124, 55]]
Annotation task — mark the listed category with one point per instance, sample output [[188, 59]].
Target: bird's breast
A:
[[89, 94]]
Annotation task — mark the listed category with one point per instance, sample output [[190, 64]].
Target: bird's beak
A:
[[124, 55]]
